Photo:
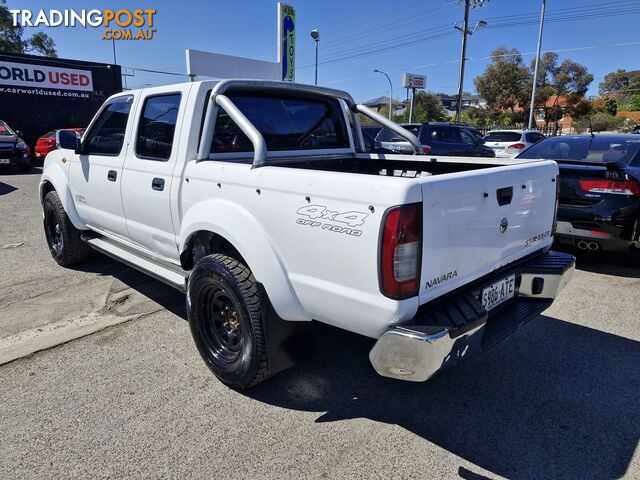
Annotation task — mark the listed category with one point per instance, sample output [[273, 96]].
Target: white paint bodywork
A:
[[314, 272]]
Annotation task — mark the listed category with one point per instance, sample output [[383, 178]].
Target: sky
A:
[[358, 36]]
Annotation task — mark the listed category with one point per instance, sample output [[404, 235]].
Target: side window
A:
[[446, 134], [107, 135], [157, 126], [467, 138]]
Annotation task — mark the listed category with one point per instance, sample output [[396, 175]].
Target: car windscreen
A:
[[5, 129], [588, 149], [286, 122], [502, 137]]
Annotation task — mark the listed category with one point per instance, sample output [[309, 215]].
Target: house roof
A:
[[382, 102]]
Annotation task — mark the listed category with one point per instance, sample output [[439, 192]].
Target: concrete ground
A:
[[560, 399]]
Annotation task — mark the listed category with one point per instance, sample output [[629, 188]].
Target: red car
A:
[[47, 142]]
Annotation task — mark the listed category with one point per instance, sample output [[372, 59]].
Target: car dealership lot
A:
[[560, 399]]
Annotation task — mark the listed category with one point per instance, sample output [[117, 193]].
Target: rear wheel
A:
[[227, 315], [65, 244]]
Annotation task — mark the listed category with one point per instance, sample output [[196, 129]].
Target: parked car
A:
[[254, 199], [511, 143], [47, 142], [13, 150], [599, 199], [436, 139]]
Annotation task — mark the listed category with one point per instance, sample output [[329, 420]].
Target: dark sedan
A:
[[13, 150], [437, 139], [599, 190]]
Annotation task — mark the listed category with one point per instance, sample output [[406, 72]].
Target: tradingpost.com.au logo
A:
[[119, 24]]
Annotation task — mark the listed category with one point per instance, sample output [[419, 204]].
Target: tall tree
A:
[[12, 37], [621, 84], [504, 81], [571, 81], [426, 108]]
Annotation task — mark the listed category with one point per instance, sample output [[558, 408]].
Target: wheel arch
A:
[[54, 179], [239, 235]]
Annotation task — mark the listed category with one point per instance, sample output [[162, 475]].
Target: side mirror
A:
[[68, 140], [19, 133]]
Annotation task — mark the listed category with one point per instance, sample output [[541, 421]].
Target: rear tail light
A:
[[626, 187], [400, 251], [518, 146], [426, 149]]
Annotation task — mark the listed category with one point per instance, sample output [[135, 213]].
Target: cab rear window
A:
[[285, 122]]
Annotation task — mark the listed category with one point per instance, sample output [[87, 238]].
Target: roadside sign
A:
[[413, 80], [287, 41]]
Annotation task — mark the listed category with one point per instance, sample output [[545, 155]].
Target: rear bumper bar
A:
[[460, 327]]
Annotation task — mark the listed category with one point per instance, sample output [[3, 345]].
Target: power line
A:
[[564, 14]]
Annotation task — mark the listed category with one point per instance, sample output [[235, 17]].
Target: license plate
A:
[[5, 160], [498, 293]]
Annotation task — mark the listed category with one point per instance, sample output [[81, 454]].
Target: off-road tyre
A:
[[63, 238], [227, 313]]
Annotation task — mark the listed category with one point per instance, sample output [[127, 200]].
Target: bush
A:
[[598, 122]]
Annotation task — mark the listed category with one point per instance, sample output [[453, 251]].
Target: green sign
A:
[[288, 42]]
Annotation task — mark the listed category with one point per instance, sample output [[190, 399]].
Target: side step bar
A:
[[168, 273]]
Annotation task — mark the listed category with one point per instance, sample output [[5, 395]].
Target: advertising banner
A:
[[42, 76], [287, 41], [413, 80]]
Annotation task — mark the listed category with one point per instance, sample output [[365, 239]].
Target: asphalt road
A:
[[560, 399]]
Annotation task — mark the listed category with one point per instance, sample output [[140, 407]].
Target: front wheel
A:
[[227, 316], [63, 239]]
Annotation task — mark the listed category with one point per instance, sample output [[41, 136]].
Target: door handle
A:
[[157, 184], [112, 175]]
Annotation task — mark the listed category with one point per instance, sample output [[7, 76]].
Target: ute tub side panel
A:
[[56, 173], [323, 231]]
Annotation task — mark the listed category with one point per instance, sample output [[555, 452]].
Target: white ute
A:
[[258, 200]]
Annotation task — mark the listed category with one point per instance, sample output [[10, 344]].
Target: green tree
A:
[[620, 84], [426, 108], [611, 106], [12, 38], [504, 81]]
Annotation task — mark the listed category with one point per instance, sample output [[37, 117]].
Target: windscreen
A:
[[502, 137], [285, 122], [5, 129], [588, 149]]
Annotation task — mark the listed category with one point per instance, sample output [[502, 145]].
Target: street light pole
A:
[[390, 90], [315, 34], [535, 71], [465, 30]]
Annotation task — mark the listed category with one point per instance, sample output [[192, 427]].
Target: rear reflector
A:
[[426, 149], [517, 146], [400, 251], [600, 232], [626, 187]]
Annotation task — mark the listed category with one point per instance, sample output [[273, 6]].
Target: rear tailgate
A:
[[471, 227]]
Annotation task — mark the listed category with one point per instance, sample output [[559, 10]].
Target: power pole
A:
[[535, 70], [465, 30]]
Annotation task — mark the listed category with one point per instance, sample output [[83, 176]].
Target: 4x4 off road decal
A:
[[321, 217]]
